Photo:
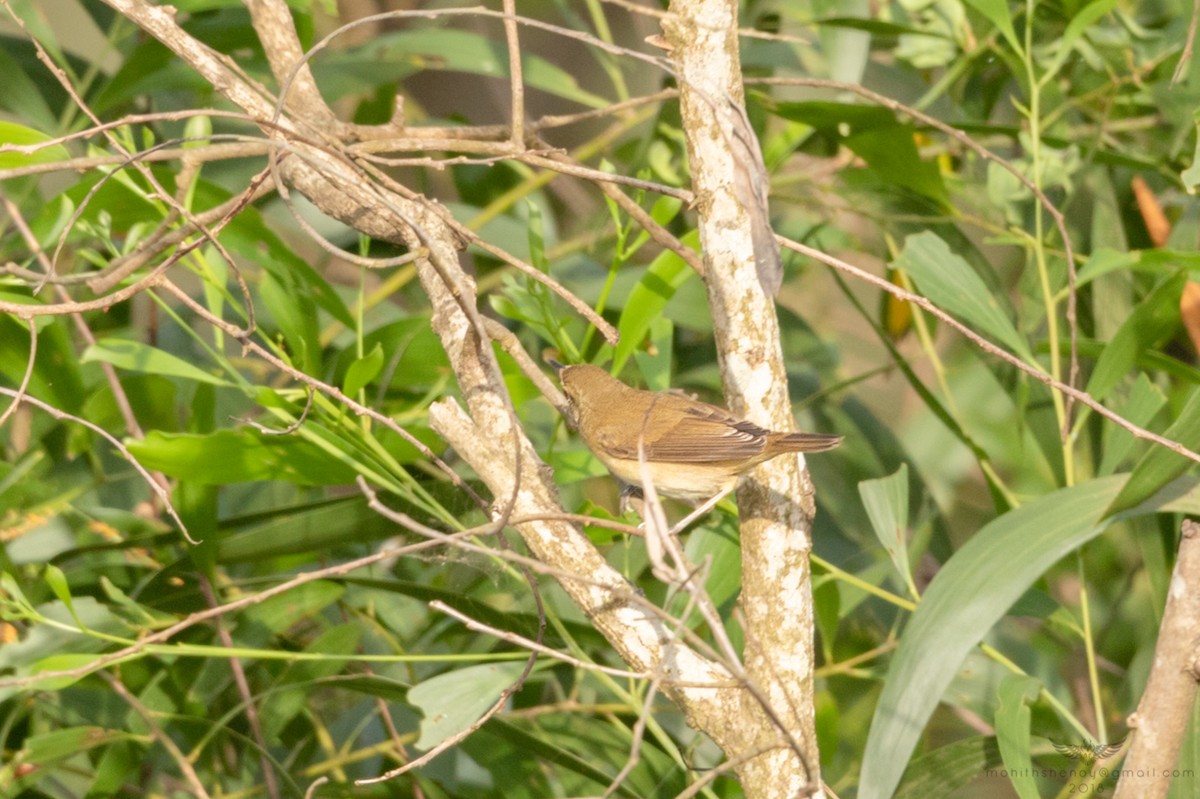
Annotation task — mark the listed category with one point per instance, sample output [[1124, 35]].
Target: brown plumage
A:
[[693, 450]]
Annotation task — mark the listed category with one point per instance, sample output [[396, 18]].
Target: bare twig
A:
[[1185, 57], [156, 731], [243, 687], [63, 416], [534, 646], [657, 232], [137, 648], [516, 80], [29, 364]]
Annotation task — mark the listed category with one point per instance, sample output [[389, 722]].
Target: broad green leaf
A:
[[57, 581], [1144, 400], [23, 97], [64, 662], [277, 614], [363, 371], [891, 152], [21, 136], [1191, 175], [1153, 262], [716, 541], [950, 282], [312, 527], [290, 305], [827, 607], [1153, 320], [1078, 25], [592, 766], [968, 596], [66, 743], [468, 51], [1012, 731], [453, 701], [1160, 466], [663, 277], [239, 456], [138, 357], [998, 14], [414, 358], [946, 769], [654, 362], [886, 501], [835, 119]]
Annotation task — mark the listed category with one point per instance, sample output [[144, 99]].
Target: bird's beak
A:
[[558, 367]]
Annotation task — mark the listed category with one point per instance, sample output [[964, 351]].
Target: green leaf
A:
[[277, 614], [1079, 24], [1012, 731], [950, 282], [654, 362], [137, 357], [239, 456], [997, 13], [45, 748], [891, 152], [886, 501], [666, 273], [21, 136], [716, 541], [1160, 466], [465, 51], [594, 765], [971, 593], [57, 581], [308, 528], [363, 371], [290, 304], [454, 701], [948, 768], [1153, 320], [1144, 400], [1191, 175], [65, 662]]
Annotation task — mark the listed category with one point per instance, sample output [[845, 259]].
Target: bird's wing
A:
[[705, 434], [1107, 750]]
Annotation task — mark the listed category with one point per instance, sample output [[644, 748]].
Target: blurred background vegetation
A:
[[1054, 605]]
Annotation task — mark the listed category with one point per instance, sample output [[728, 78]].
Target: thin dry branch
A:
[[243, 687], [190, 777], [63, 416]]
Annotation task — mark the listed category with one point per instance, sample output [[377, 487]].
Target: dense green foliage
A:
[[1052, 553]]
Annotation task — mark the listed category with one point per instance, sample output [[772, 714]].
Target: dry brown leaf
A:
[[1189, 311], [1157, 224]]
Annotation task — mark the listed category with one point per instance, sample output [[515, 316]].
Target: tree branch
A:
[[776, 501], [1160, 722]]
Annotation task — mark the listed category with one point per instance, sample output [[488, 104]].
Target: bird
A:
[[693, 451]]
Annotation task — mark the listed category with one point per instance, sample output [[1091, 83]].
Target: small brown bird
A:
[[694, 451]]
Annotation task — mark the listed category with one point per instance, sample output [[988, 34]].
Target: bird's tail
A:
[[808, 442]]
